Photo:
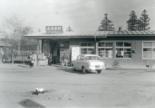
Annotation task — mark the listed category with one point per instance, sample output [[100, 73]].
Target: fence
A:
[[17, 56]]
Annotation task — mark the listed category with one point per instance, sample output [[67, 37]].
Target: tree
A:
[[144, 21], [15, 29], [133, 21], [106, 24]]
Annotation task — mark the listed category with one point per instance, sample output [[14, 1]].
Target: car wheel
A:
[[83, 70], [99, 71], [74, 69]]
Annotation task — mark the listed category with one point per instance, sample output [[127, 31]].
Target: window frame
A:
[[152, 47], [106, 47], [123, 47], [87, 47]]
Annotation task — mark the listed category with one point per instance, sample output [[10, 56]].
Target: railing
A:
[[17, 57]]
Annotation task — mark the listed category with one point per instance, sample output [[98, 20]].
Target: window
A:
[[105, 49], [92, 58], [149, 50], [123, 50], [87, 48]]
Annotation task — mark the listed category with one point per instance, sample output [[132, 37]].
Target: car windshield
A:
[[92, 58]]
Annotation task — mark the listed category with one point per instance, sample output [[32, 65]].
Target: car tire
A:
[[83, 69], [74, 69], [99, 71]]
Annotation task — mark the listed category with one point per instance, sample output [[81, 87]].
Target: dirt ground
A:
[[69, 89]]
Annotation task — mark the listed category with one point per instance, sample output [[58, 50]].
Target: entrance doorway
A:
[[55, 52], [59, 50]]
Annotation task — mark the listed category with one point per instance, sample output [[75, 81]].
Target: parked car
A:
[[89, 63]]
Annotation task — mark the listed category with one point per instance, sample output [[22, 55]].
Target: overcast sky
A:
[[81, 15]]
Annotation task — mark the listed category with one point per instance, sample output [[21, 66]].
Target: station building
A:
[[121, 48]]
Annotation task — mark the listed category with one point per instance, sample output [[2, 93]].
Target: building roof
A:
[[100, 34]]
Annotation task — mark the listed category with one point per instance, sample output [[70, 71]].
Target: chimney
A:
[[53, 29]]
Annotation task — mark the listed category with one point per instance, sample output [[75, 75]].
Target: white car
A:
[[89, 63]]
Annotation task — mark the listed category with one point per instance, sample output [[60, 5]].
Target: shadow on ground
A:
[[28, 103], [71, 70]]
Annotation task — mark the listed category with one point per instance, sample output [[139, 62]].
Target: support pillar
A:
[[114, 49], [39, 47], [39, 51], [96, 48]]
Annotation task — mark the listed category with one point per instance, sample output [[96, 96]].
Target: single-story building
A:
[[134, 49]]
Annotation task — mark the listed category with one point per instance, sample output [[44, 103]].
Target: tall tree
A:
[[144, 21], [133, 21], [106, 24], [15, 29]]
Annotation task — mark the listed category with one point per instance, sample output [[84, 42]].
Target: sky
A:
[[81, 15]]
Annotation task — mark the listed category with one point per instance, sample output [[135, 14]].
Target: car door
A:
[[76, 63], [81, 62]]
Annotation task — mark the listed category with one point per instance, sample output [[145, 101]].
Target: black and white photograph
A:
[[77, 53]]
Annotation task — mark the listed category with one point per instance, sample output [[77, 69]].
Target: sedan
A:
[[89, 63]]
